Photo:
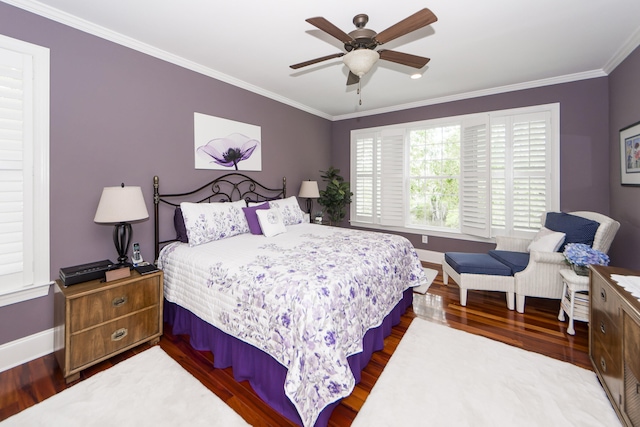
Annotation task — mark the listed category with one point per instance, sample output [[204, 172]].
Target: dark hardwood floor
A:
[[538, 329]]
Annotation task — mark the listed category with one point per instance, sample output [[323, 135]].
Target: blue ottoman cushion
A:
[[472, 263], [516, 261], [576, 228]]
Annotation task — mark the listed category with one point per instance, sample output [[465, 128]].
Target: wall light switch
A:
[[425, 239]]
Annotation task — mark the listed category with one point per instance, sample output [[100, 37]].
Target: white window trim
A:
[[554, 172], [41, 251]]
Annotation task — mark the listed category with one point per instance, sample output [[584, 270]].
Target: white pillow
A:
[[271, 222], [290, 210], [206, 222], [547, 241]]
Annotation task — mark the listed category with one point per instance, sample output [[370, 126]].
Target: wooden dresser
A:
[[614, 341], [96, 320]]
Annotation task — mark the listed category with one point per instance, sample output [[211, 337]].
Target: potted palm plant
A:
[[336, 196]]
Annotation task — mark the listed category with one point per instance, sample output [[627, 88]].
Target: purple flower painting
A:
[[226, 144], [230, 150]]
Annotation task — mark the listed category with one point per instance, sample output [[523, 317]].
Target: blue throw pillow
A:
[[576, 228]]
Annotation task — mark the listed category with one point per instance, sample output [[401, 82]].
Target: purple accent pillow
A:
[[181, 229], [252, 217]]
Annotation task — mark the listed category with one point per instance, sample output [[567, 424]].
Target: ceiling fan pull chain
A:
[[359, 93]]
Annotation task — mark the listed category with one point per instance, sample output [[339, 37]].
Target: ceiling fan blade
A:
[[352, 79], [314, 61], [403, 58], [418, 20], [330, 29]]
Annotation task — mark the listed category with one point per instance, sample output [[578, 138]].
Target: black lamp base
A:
[[309, 205], [122, 239]]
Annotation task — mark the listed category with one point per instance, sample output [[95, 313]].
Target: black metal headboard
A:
[[226, 188]]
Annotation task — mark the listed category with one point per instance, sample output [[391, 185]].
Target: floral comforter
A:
[[305, 297]]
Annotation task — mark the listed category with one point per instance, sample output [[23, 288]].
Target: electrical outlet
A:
[[425, 239]]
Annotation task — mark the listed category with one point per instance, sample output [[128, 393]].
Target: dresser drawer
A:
[[610, 368], [99, 307], [605, 300], [603, 329], [102, 341]]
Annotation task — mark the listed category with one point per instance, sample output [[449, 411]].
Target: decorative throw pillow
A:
[[547, 241], [206, 222], [181, 229], [252, 218], [576, 228], [271, 222], [290, 210]]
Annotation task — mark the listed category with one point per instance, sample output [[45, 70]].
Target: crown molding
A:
[[476, 94], [113, 36]]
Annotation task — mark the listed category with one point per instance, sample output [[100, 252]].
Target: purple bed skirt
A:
[[264, 373]]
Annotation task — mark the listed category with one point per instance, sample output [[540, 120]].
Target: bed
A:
[[295, 308]]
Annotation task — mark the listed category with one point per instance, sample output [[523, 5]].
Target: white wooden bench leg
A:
[[511, 296], [463, 297], [520, 303]]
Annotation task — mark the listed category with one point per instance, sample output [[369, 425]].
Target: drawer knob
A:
[[119, 334], [602, 328], [119, 301], [603, 364], [603, 294]]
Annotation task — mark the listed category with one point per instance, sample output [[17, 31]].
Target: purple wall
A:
[[624, 87], [584, 148], [118, 115]]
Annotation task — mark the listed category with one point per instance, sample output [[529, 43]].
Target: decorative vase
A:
[[581, 270]]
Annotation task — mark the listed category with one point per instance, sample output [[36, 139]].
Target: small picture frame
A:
[[630, 155]]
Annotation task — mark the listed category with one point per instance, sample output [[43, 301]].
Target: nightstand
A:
[[575, 298], [95, 321]]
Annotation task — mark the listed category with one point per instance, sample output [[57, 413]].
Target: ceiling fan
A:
[[361, 42]]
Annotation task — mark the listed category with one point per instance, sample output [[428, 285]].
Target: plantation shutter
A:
[[391, 180], [520, 171], [530, 135], [363, 150], [16, 169], [475, 176]]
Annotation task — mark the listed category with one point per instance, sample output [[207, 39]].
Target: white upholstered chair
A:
[[541, 278]]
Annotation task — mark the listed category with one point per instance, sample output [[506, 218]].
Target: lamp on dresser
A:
[[121, 206], [309, 190]]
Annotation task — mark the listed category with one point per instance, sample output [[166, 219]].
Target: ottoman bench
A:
[[482, 272]]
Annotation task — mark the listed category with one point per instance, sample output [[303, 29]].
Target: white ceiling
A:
[[476, 47]]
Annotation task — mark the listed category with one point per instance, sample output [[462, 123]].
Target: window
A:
[[479, 175], [24, 171]]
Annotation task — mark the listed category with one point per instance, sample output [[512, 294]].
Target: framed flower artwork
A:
[[630, 155], [226, 144]]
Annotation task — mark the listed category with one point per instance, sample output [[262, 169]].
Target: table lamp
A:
[[121, 206], [309, 190]]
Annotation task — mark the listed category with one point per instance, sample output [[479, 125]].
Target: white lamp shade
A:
[[360, 61], [309, 190], [121, 204]]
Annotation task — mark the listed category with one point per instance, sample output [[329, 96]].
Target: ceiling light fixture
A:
[[416, 76], [360, 61]]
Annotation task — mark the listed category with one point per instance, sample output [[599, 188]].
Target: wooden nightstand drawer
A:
[[108, 338], [96, 308]]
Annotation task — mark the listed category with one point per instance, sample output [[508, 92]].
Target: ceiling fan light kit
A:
[[360, 61], [360, 43]]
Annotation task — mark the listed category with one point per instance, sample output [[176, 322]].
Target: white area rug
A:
[[148, 389], [431, 275], [439, 376]]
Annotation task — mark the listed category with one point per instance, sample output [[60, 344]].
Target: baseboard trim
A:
[[25, 349], [430, 256]]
